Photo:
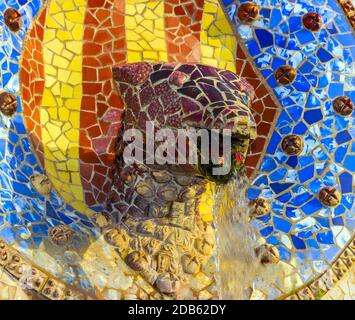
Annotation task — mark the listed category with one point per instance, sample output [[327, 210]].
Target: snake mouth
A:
[[228, 164]]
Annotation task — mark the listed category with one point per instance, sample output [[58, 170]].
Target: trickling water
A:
[[237, 264]]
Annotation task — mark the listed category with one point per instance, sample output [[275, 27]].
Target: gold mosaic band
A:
[[349, 9], [35, 281], [319, 286], [41, 284]]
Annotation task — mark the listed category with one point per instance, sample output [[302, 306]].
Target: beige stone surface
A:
[[11, 289]]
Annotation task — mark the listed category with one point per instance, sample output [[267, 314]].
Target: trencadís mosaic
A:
[[309, 235], [57, 150]]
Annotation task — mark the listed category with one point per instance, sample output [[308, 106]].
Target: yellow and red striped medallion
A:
[[71, 107]]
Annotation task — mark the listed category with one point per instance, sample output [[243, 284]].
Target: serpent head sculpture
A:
[[152, 216], [77, 76], [151, 213]]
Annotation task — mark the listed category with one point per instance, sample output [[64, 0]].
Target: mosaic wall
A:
[[56, 69], [308, 234]]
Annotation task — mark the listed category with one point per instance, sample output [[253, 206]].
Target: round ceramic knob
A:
[[61, 235], [312, 21], [8, 104], [343, 105], [13, 19], [267, 254], [41, 183], [247, 12], [329, 196], [292, 144], [285, 75], [258, 207]]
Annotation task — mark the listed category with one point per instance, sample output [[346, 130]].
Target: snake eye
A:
[[13, 19]]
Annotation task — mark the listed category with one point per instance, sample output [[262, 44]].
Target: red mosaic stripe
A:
[[264, 110], [101, 108], [32, 83], [182, 28]]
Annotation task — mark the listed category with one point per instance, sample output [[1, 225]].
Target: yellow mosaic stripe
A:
[[218, 49], [145, 32], [62, 50], [60, 109], [218, 43], [206, 203]]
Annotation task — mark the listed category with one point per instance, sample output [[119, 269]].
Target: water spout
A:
[[237, 263]]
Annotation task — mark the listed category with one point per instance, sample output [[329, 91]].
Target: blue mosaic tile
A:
[[325, 62]]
